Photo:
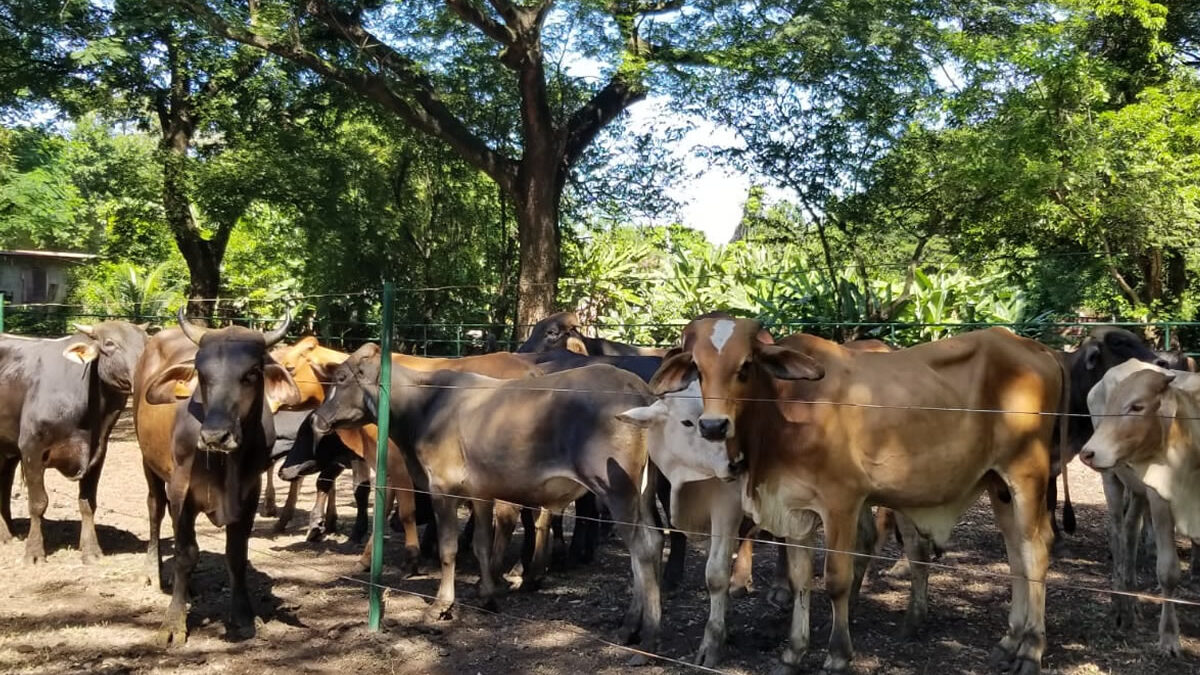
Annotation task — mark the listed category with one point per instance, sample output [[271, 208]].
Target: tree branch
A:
[[419, 105], [473, 14], [586, 122]]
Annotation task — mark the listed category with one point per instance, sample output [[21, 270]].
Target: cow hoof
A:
[[780, 597], [243, 629], [358, 535], [835, 665], [92, 555], [1168, 645], [638, 660], [1021, 665], [173, 631], [910, 627], [35, 557], [268, 510], [439, 611], [1124, 614], [900, 570], [709, 655], [739, 588]]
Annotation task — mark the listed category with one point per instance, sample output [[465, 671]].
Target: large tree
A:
[[486, 78]]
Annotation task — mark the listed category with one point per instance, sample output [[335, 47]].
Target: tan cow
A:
[[821, 429], [1147, 446]]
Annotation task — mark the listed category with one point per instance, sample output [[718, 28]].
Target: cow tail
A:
[[1064, 446]]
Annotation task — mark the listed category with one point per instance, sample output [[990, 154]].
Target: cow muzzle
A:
[[737, 466], [1095, 458], [715, 428], [218, 440]]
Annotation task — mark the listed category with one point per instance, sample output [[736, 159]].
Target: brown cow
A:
[[822, 429], [205, 452]]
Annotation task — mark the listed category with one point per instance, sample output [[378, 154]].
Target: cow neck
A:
[[1175, 473], [1079, 427], [413, 401]]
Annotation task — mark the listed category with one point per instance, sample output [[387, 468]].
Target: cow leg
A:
[[866, 544], [800, 575], [187, 553], [587, 530], [1124, 518], [267, 507], [533, 574], [156, 505], [289, 505], [725, 519], [89, 543], [632, 519], [364, 560], [780, 592], [919, 550], [1020, 513], [316, 515], [237, 541], [1194, 561], [506, 515], [1168, 572], [741, 581], [528, 524], [445, 514], [673, 573], [840, 536], [404, 499], [32, 469], [330, 515], [8, 470]]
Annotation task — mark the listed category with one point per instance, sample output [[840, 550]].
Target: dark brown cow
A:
[[824, 430], [561, 331], [206, 430], [59, 400], [541, 441]]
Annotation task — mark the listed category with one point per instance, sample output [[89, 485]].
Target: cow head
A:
[[1131, 414], [729, 358], [354, 398], [557, 331], [1108, 346], [311, 366], [230, 377], [675, 443], [115, 346]]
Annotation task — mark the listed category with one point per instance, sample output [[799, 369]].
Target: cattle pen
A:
[[67, 617]]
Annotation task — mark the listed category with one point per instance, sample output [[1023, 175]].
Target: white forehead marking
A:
[[722, 331]]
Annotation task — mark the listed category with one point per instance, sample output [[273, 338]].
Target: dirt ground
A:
[[65, 617]]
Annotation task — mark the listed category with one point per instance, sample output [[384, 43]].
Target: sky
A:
[[712, 197]]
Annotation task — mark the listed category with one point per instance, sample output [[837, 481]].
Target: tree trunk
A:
[[537, 204], [203, 256]]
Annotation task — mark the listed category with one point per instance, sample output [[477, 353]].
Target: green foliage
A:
[[125, 291]]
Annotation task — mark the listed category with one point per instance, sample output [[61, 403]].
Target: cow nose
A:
[[217, 440], [1087, 456], [714, 429], [737, 467], [1163, 363]]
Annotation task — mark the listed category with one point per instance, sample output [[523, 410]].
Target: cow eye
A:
[[110, 344], [744, 371], [1137, 407], [688, 423]]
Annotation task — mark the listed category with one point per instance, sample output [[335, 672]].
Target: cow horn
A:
[[84, 328], [280, 330], [191, 330]]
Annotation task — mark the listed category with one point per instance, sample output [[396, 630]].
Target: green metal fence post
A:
[[1167, 335], [1, 312], [375, 615]]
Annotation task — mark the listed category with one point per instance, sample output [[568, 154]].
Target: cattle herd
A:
[[736, 435]]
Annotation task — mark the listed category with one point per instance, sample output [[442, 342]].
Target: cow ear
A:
[[279, 387], [764, 337], [789, 364], [645, 415], [673, 374], [576, 345], [172, 384], [81, 352]]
